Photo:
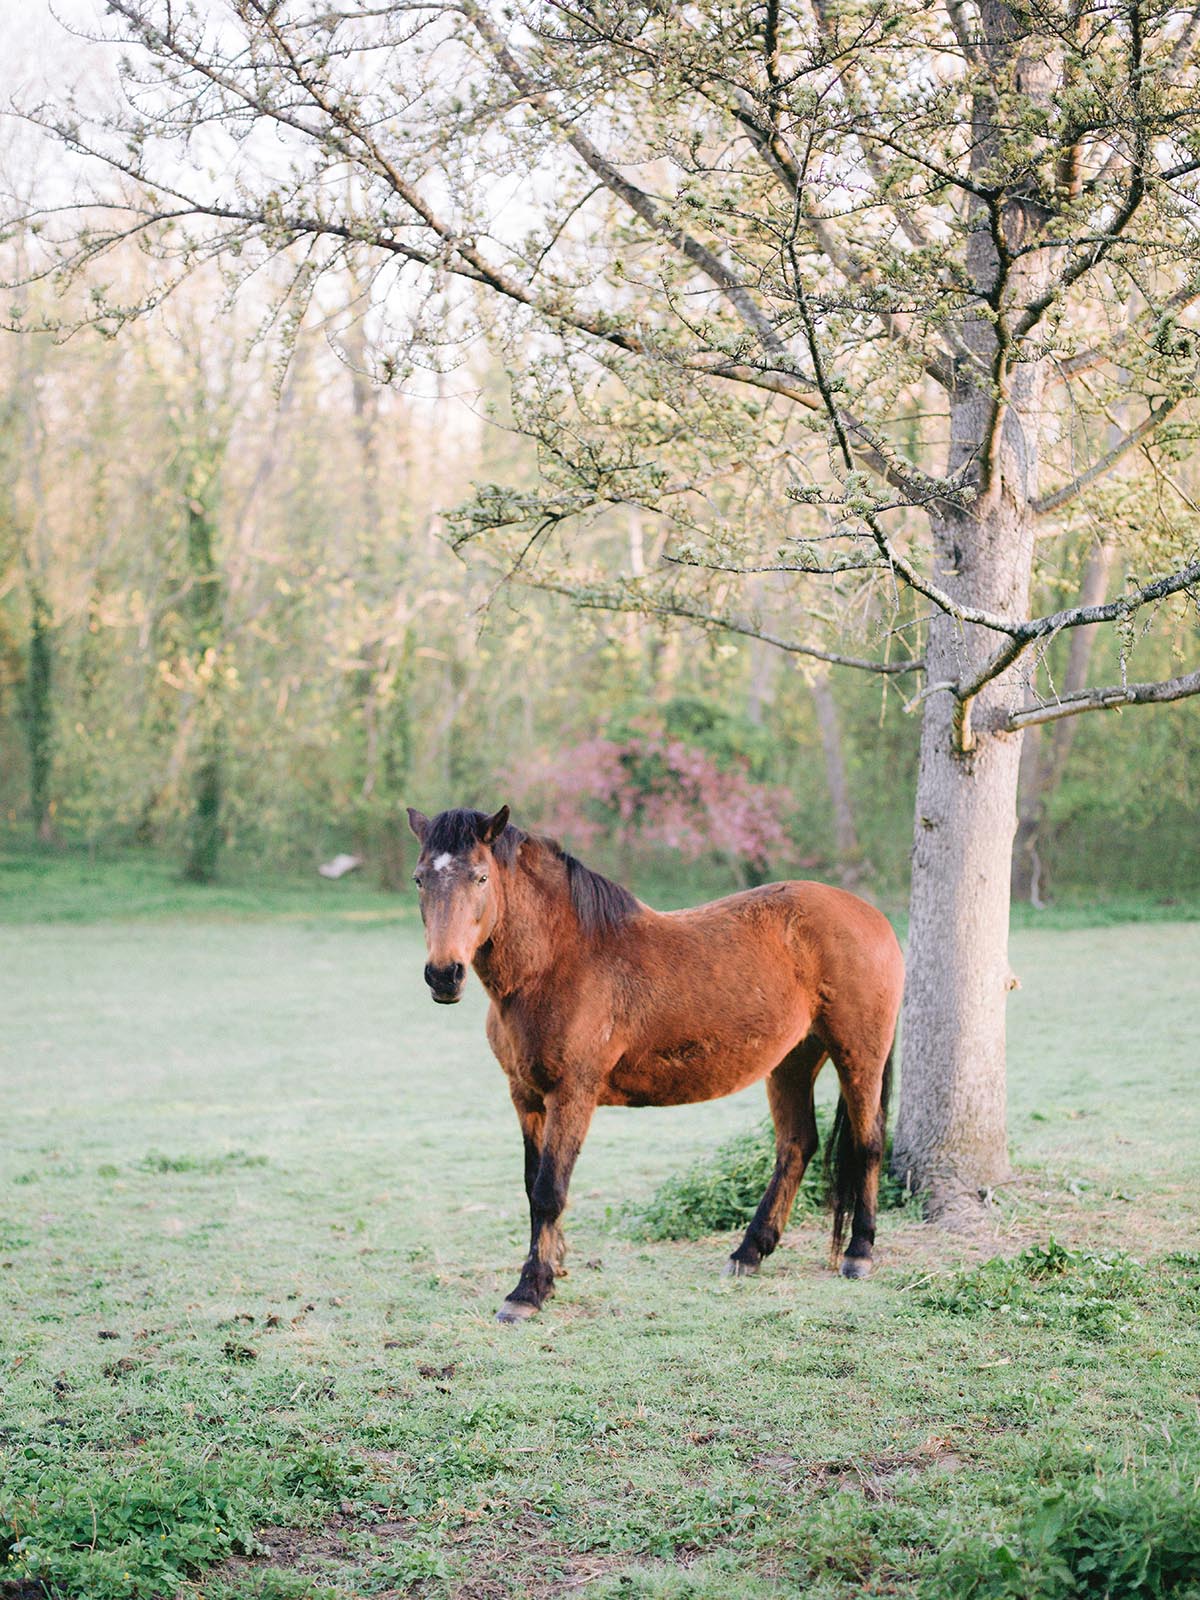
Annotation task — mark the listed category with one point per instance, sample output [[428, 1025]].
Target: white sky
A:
[[44, 60]]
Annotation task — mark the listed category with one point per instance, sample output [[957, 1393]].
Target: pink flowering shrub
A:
[[651, 789]]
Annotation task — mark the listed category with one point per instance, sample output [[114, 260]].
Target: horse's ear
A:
[[492, 827], [419, 823]]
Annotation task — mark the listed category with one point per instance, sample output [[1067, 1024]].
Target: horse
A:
[[598, 1000]]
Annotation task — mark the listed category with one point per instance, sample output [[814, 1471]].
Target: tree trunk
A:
[[381, 687], [849, 855], [205, 831], [951, 1139], [396, 764], [39, 713], [951, 1134], [206, 613]]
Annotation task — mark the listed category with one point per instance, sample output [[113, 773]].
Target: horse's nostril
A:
[[445, 978]]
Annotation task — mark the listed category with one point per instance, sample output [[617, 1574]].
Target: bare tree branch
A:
[[1145, 326], [1108, 698], [641, 605], [638, 201], [1068, 491], [1026, 633]]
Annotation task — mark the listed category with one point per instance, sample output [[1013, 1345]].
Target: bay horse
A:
[[596, 1000]]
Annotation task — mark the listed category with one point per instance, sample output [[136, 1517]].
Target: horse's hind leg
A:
[[856, 1156], [790, 1096]]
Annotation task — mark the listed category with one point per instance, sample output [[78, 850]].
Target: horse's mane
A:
[[600, 904]]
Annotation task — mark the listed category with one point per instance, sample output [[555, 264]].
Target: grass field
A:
[[259, 1200]]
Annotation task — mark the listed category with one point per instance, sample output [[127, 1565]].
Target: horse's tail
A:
[[845, 1160]]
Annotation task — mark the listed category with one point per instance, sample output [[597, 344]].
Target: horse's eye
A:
[[418, 880], [482, 878]]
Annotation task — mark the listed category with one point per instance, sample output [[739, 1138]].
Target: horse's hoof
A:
[[734, 1268], [513, 1311], [856, 1267]]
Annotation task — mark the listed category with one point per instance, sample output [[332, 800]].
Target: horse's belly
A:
[[695, 1070]]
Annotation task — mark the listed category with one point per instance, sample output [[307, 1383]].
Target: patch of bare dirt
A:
[[564, 1574], [305, 1550], [547, 1568], [870, 1475], [1084, 1210]]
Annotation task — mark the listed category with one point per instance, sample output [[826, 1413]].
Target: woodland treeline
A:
[[234, 628]]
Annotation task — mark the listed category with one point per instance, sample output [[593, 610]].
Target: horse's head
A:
[[459, 901]]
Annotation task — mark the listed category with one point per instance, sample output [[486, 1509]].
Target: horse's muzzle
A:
[[446, 983]]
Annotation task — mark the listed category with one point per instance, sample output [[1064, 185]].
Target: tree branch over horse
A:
[[598, 1000]]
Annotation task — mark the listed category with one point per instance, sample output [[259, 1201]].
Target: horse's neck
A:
[[528, 937]]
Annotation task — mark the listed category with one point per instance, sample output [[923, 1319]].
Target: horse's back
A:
[[810, 917], [830, 947], [718, 994]]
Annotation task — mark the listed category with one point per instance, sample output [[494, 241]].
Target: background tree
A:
[[204, 608], [884, 261], [24, 534]]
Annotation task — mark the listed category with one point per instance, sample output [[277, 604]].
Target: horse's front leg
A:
[[564, 1126], [531, 1113]]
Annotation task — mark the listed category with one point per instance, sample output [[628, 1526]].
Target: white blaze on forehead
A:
[[443, 861]]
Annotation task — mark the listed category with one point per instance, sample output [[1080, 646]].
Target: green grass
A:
[[69, 886], [259, 1200]]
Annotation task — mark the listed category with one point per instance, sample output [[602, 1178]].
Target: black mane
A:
[[600, 904]]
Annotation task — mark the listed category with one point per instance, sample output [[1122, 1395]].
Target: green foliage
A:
[[305, 733], [714, 1194], [143, 1529], [720, 1192], [1086, 1292], [1125, 812], [728, 735], [1120, 1533], [398, 1564], [322, 1472], [112, 1536]]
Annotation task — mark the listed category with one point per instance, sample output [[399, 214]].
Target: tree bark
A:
[[396, 766], [951, 1136]]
